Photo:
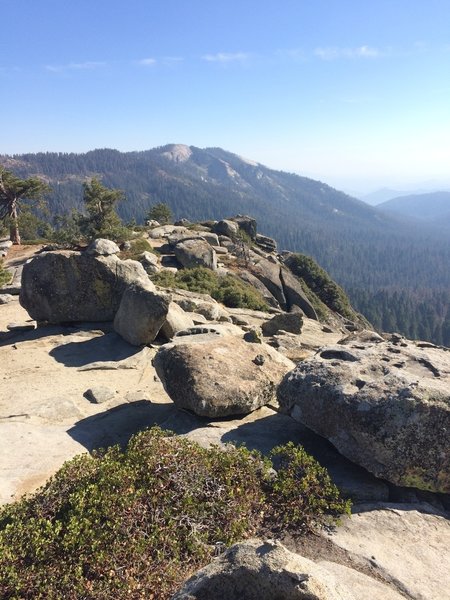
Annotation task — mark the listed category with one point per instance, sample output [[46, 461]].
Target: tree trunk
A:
[[14, 234]]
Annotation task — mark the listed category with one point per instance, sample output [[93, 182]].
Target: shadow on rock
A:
[[14, 337], [108, 347], [353, 481], [117, 425]]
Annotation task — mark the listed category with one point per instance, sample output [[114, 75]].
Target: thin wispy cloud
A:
[[227, 57], [147, 62], [336, 53], [81, 66]]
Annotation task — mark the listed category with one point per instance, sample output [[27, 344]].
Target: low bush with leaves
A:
[[227, 289], [136, 523]]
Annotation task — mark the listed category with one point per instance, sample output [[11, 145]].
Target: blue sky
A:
[[355, 93]]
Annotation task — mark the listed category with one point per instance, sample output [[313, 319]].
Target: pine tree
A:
[[13, 191]]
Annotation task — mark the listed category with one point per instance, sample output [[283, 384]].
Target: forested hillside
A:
[[396, 271]]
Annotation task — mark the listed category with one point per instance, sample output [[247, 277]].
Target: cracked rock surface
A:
[[384, 404]]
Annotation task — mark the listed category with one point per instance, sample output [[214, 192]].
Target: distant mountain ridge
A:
[[433, 206], [382, 195], [364, 249]]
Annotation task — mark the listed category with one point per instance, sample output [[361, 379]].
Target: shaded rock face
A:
[[226, 227], [258, 285], [266, 243], [384, 405], [218, 376], [60, 287], [282, 285], [291, 322], [141, 314], [268, 274], [294, 294], [247, 224], [196, 253], [263, 570]]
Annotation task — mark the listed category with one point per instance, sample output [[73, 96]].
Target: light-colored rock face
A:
[[269, 275], [60, 287], [405, 544], [190, 234], [165, 230], [148, 258], [362, 586], [177, 153], [385, 406], [141, 314], [102, 247], [196, 253], [263, 570], [176, 320], [220, 376]]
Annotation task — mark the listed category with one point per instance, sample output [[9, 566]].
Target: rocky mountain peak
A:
[[177, 152]]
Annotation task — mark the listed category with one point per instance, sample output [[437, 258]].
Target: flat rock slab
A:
[[99, 394], [407, 544], [363, 587]]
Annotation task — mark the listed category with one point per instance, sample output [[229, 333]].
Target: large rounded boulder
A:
[[60, 287], [193, 253], [217, 376], [384, 404], [141, 314]]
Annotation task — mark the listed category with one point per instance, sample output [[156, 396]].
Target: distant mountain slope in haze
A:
[[364, 249], [382, 195], [430, 206], [378, 197], [196, 183]]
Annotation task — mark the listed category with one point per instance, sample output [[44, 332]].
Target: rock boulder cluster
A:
[[382, 401]]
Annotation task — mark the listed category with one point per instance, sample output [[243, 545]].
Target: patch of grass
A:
[[138, 246], [228, 289], [137, 523]]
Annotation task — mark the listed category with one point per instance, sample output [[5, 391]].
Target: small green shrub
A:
[[138, 246], [321, 284], [136, 523], [228, 289], [5, 275], [302, 495], [322, 311], [160, 212]]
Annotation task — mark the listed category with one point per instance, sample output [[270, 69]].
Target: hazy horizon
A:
[[352, 95]]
